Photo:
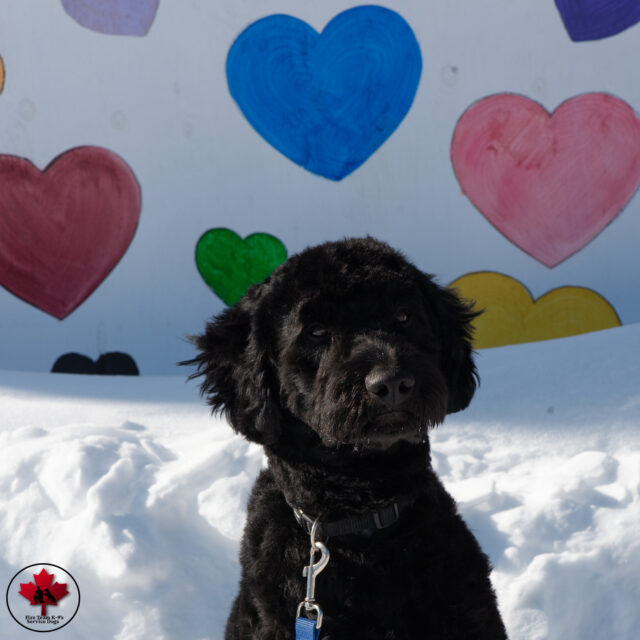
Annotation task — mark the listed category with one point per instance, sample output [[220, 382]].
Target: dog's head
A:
[[348, 338]]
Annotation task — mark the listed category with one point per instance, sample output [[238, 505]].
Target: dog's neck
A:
[[340, 480]]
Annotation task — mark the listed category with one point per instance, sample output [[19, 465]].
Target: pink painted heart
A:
[[62, 230], [114, 17], [549, 182]]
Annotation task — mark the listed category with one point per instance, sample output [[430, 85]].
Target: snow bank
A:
[[134, 488]]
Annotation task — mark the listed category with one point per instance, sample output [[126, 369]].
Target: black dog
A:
[[338, 364]]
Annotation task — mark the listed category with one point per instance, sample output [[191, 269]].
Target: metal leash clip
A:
[[311, 572]]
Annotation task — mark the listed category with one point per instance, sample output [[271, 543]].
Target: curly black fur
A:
[[338, 364]]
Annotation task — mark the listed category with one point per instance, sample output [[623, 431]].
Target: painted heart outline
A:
[[63, 230], [326, 101], [550, 183]]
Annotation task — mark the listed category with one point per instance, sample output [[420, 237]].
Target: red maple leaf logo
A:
[[43, 592]]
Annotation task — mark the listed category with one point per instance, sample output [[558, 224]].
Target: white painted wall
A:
[[161, 102]]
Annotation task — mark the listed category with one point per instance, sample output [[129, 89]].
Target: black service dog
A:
[[338, 364]]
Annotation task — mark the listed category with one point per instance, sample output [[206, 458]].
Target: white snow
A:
[[132, 486]]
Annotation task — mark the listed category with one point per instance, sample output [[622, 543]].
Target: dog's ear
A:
[[238, 377], [455, 331]]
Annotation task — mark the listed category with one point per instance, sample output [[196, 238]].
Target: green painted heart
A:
[[229, 264]]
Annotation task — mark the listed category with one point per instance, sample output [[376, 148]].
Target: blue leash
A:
[[307, 628]]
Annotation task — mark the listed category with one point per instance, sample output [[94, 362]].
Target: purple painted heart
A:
[[114, 17], [596, 19]]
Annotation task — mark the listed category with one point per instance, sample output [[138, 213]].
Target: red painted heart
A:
[[549, 182], [62, 230]]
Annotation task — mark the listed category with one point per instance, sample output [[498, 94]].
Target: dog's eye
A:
[[318, 331], [402, 315]]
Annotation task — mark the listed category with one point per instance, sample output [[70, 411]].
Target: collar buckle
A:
[[387, 516]]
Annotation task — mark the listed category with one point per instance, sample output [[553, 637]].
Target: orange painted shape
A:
[[512, 316], [1, 74]]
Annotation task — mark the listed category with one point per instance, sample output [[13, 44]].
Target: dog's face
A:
[[363, 369], [348, 338]]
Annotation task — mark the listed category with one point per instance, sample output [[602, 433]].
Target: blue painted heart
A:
[[326, 101], [596, 19]]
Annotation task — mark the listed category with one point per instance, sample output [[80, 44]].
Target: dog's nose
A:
[[392, 388]]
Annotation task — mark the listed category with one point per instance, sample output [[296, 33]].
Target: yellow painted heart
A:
[[512, 316]]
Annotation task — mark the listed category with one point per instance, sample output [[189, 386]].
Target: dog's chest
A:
[[372, 576]]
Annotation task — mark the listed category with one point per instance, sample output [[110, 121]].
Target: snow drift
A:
[[134, 488]]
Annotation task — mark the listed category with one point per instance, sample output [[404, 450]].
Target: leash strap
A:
[[306, 629]]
